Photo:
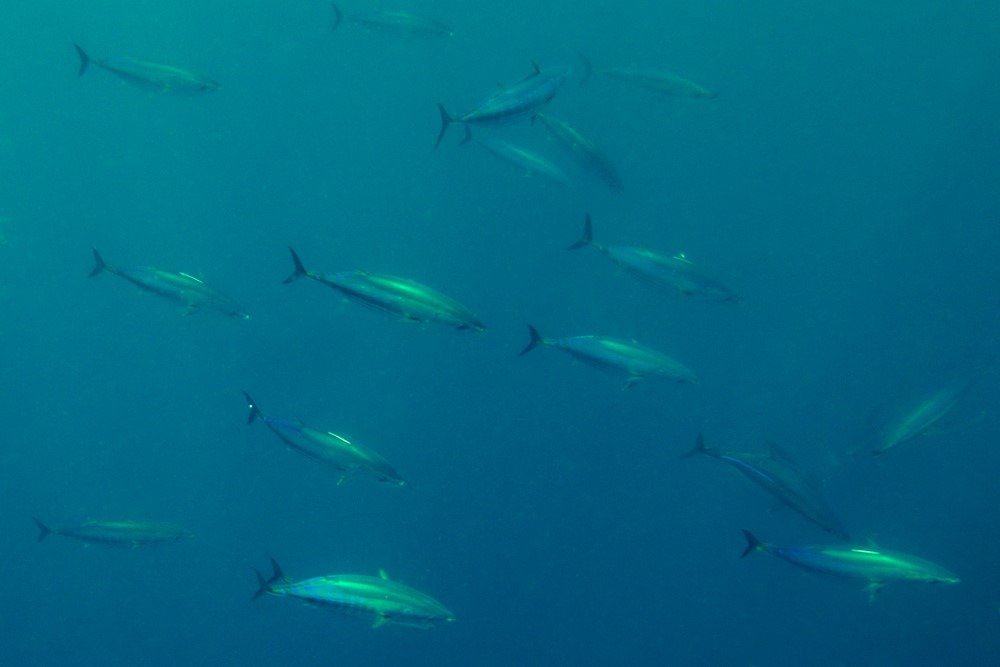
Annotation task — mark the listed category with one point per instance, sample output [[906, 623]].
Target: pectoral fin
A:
[[631, 382], [873, 588], [380, 621]]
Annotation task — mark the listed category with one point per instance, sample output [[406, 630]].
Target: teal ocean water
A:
[[794, 238]]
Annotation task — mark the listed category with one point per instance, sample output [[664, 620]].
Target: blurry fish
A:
[[398, 296], [150, 76], [873, 566], [400, 22], [181, 288], [781, 477], [656, 80], [378, 598], [584, 151], [511, 102], [117, 533], [916, 421], [330, 448], [635, 361], [526, 160], [677, 271]]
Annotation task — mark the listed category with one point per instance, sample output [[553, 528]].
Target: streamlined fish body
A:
[[178, 287], [394, 21], [783, 479], [676, 272], [916, 421], [379, 598], [511, 102], [327, 447], [659, 81], [150, 76], [398, 296], [524, 159], [116, 533], [874, 566], [583, 150], [629, 358]]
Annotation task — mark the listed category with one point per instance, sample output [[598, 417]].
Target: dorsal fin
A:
[[536, 68], [382, 574]]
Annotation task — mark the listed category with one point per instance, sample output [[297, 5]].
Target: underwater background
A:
[[845, 181]]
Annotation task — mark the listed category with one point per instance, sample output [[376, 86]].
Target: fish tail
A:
[[84, 60], [699, 448], [338, 17], [753, 544], [266, 585], [588, 235], [535, 341], [446, 120], [99, 265], [300, 269], [254, 411], [43, 530]]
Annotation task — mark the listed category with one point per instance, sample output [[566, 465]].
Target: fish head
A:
[[209, 85]]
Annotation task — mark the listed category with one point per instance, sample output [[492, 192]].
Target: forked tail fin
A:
[[535, 341], [43, 530], [99, 264], [753, 544], [300, 269], [699, 448], [254, 411], [588, 235], [265, 586], [338, 16], [446, 120], [84, 60]]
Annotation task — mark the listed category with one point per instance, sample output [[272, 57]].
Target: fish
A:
[[583, 150], [526, 160], [404, 298], [653, 79], [510, 102], [182, 288], [780, 476], [919, 419], [116, 533], [633, 360], [873, 566], [325, 446], [150, 76], [395, 21], [676, 272], [378, 598]]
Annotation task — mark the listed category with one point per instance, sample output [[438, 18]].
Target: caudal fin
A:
[[254, 411], [699, 448], [446, 120], [535, 341], [99, 264], [300, 269], [588, 235], [338, 16], [84, 60], [43, 530], [267, 585], [753, 544]]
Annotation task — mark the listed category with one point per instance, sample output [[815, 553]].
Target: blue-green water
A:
[[844, 182]]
